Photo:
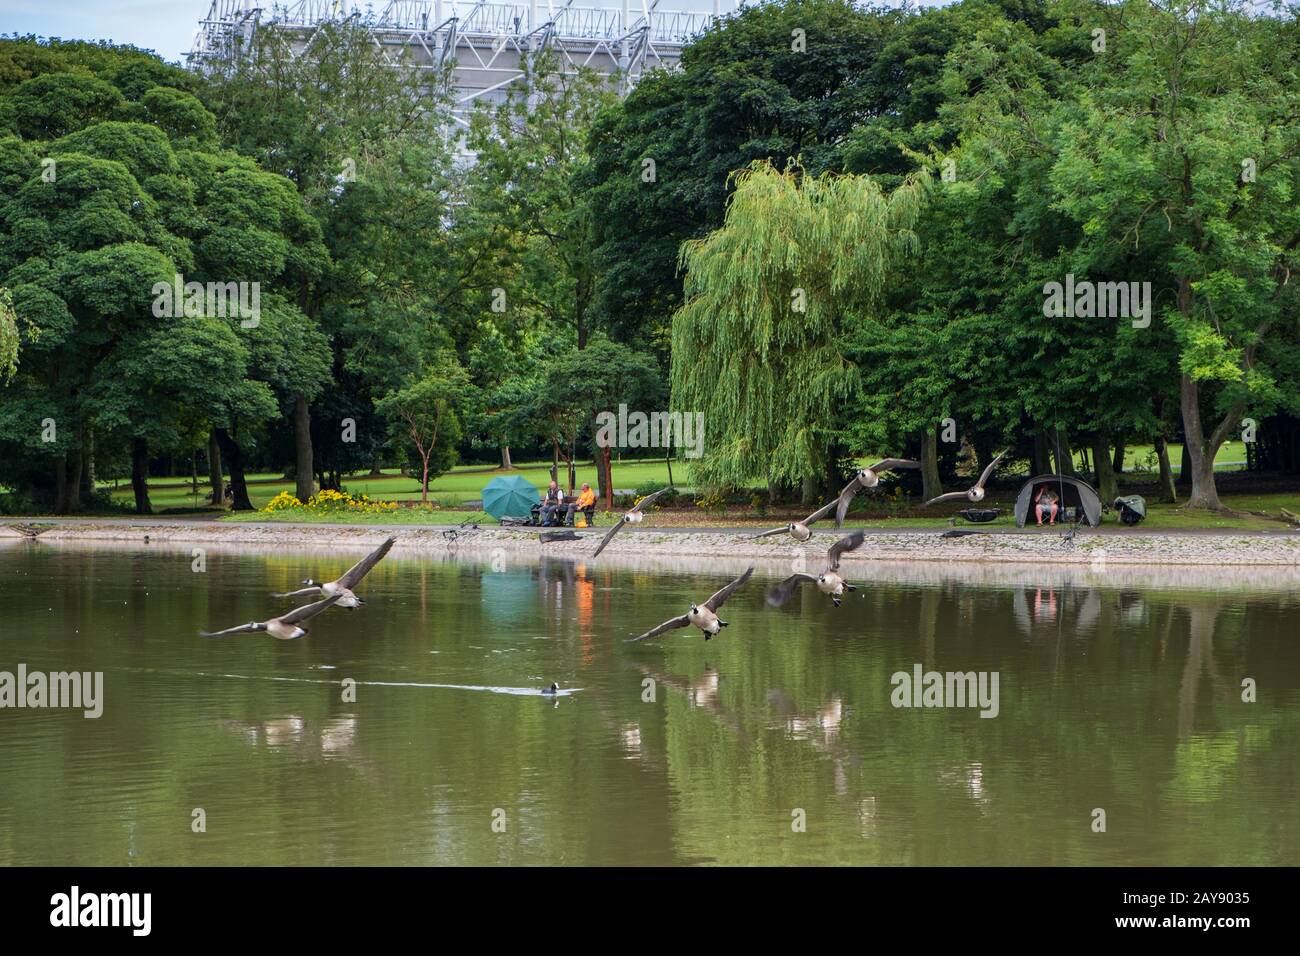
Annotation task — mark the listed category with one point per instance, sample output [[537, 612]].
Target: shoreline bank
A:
[[1090, 548]]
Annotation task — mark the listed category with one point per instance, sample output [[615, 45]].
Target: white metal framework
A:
[[485, 42]]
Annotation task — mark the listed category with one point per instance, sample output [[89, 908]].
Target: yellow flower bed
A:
[[330, 502]]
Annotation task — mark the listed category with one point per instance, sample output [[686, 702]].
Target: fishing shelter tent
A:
[[1072, 492]]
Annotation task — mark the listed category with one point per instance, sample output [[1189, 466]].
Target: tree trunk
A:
[[140, 476], [1117, 463], [931, 486], [668, 460], [505, 457], [1107, 486], [1042, 459], [88, 464], [1185, 466], [424, 480], [1203, 448], [75, 466], [61, 484], [302, 448], [1060, 445], [809, 490], [1168, 494], [214, 470], [234, 458], [573, 464], [607, 477]]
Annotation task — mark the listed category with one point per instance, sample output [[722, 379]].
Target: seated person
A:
[[552, 501], [586, 501], [1046, 500]]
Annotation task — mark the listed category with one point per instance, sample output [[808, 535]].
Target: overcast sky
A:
[[167, 26]]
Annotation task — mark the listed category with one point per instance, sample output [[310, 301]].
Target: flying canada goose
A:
[[974, 494], [828, 582], [868, 478], [342, 588], [286, 627], [634, 516], [704, 616], [800, 530]]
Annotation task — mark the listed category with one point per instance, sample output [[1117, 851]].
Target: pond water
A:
[[778, 742]]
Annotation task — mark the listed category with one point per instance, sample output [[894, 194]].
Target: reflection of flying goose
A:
[[342, 588], [286, 627], [633, 516], [704, 616], [828, 582], [799, 530], [974, 494], [867, 478]]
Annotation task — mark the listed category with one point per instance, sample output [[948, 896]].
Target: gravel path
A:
[[1091, 548]]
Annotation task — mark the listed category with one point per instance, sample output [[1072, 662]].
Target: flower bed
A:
[[329, 502]]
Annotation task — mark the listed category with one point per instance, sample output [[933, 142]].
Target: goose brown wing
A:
[[610, 534], [359, 570], [720, 598], [850, 543], [683, 621], [780, 593], [300, 614]]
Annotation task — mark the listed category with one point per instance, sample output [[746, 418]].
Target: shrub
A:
[[329, 502]]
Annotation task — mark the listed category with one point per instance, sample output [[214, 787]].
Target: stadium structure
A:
[[484, 43]]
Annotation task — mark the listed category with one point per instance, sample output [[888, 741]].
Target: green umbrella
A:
[[509, 496]]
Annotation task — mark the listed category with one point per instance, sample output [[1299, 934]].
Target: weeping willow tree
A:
[[758, 345], [8, 337]]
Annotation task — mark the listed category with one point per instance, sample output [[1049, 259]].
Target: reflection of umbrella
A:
[[508, 595], [509, 495]]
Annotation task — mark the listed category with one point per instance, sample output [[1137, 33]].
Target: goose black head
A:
[[694, 608]]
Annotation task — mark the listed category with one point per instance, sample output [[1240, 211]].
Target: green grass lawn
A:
[[463, 483]]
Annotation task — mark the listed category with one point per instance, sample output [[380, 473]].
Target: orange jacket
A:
[[586, 499]]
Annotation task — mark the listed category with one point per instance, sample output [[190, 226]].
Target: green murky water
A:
[[775, 743]]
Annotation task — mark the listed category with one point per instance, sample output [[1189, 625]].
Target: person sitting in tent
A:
[[586, 503], [1046, 500], [552, 501]]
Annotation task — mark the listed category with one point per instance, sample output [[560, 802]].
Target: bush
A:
[[329, 502], [669, 497]]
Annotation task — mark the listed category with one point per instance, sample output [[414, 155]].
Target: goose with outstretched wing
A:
[[704, 616], [974, 494], [342, 587], [828, 582], [286, 627], [633, 516], [867, 478], [802, 530]]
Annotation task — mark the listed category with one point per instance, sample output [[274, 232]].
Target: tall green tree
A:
[[759, 345]]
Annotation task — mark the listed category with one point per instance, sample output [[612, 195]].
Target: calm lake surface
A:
[[1113, 695]]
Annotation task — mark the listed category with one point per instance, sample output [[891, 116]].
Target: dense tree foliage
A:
[[835, 230]]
